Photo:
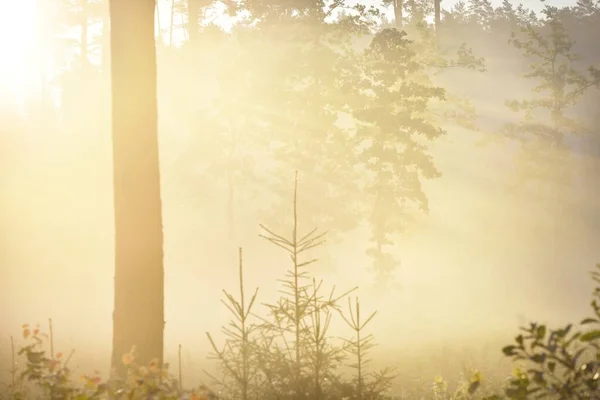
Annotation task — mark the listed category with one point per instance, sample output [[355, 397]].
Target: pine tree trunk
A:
[[42, 35], [159, 28], [171, 24], [230, 206], [398, 17], [138, 318], [194, 7], [105, 44], [437, 13], [84, 33]]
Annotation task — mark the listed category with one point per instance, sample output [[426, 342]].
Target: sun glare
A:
[[17, 44]]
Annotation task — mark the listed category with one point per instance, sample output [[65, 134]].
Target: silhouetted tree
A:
[[546, 163], [294, 125], [393, 130], [560, 85]]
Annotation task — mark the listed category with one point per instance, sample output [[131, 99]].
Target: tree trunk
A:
[[159, 28], [230, 206], [398, 18], [42, 35], [171, 24], [105, 44], [138, 318], [437, 14], [194, 7], [84, 33]]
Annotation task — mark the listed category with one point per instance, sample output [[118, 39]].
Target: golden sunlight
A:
[[17, 45]]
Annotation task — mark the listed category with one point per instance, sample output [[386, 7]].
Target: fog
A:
[[479, 264]]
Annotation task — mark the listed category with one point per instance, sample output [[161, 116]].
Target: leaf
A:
[[540, 332], [509, 350], [520, 339], [590, 336], [538, 358], [589, 321], [35, 357]]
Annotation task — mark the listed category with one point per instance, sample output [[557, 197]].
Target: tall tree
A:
[[437, 13], [320, 75], [398, 17], [194, 13], [138, 318], [546, 163], [547, 123], [84, 32], [105, 43], [394, 133]]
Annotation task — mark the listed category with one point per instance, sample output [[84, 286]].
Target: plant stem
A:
[[51, 338], [13, 367], [179, 368], [244, 331]]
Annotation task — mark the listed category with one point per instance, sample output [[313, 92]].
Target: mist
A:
[[480, 263]]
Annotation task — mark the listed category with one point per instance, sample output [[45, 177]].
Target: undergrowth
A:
[[290, 354]]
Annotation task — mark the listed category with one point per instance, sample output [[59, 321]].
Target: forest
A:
[[299, 199]]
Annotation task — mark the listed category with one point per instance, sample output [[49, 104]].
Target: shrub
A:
[[48, 376], [564, 363]]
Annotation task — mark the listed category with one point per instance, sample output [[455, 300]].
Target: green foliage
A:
[[563, 363]]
